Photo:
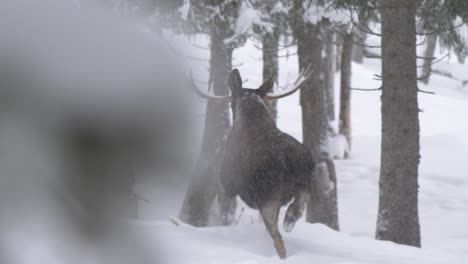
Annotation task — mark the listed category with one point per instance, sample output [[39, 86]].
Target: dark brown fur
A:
[[264, 166]]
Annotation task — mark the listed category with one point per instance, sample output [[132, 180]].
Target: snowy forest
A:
[[233, 131]]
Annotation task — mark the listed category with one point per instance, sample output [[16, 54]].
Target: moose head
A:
[[263, 93], [248, 105]]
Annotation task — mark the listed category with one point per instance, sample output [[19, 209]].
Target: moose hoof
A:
[[289, 222]]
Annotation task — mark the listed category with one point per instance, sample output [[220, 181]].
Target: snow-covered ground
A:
[[443, 177], [443, 182]]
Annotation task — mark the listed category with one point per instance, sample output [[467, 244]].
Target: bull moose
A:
[[266, 167]]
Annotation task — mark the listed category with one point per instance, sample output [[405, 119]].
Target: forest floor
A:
[[443, 180]]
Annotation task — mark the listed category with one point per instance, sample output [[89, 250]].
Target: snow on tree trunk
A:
[[270, 43], [322, 206], [431, 42], [345, 91], [398, 219], [205, 184]]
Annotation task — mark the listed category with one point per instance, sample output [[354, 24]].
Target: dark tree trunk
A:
[[204, 186], [270, 43], [329, 72], [338, 39], [322, 206], [428, 53], [345, 91], [358, 50], [312, 96], [398, 219], [461, 55]]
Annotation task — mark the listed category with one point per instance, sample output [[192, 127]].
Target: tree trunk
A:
[[398, 219], [270, 43], [312, 95], [461, 55], [428, 53], [329, 73], [204, 186], [338, 39], [345, 91], [322, 206], [358, 50]]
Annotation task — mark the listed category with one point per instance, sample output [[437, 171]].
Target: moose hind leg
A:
[[269, 214], [295, 210]]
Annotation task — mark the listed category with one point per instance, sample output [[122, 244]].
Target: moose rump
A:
[[257, 176]]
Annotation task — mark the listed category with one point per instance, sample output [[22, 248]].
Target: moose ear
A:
[[235, 81], [266, 87]]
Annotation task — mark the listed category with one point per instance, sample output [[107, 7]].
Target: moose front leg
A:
[[269, 214], [295, 210]]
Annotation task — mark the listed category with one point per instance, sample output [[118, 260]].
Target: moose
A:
[[266, 167]]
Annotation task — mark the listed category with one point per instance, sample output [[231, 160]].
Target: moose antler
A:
[[301, 79], [205, 95]]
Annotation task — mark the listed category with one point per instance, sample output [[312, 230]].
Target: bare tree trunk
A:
[[339, 39], [358, 50], [322, 206], [461, 55], [270, 43], [345, 91], [204, 186], [398, 218], [329, 73], [428, 53]]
